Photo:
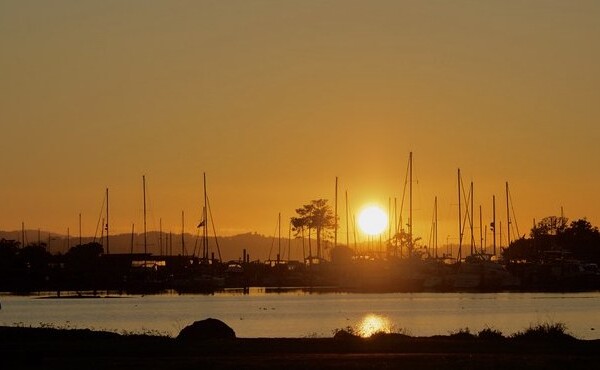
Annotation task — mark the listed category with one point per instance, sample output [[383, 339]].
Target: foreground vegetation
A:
[[544, 346]]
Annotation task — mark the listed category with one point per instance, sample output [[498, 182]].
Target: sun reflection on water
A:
[[373, 324]]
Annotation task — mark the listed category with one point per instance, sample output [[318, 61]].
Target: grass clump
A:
[[490, 334], [545, 331], [344, 333], [464, 333]]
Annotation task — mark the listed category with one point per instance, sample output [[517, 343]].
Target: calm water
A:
[[300, 314]]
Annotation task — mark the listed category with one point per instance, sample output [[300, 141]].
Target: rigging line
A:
[[432, 228], [462, 232], [468, 215], [198, 232], [512, 207], [398, 226], [213, 227], [290, 240], [99, 218], [152, 214], [196, 242], [273, 240]]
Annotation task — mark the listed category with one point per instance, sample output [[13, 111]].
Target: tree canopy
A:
[[318, 216], [579, 239]]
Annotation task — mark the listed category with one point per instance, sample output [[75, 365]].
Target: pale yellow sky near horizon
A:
[[273, 99]]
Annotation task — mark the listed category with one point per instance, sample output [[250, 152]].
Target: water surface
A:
[[302, 314]]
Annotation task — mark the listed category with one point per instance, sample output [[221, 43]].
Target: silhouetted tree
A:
[[9, 250], [83, 265], [9, 259], [85, 253], [401, 242], [35, 257], [551, 225], [300, 225], [580, 238], [317, 216], [521, 249]]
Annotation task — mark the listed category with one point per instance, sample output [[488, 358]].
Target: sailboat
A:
[[478, 271], [205, 274]]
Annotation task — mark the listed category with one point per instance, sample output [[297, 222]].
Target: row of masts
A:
[[105, 236], [467, 216]]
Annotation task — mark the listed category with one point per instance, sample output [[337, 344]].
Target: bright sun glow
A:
[[372, 220], [373, 324]]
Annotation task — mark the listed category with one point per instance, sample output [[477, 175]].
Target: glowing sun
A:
[[372, 220], [373, 324]]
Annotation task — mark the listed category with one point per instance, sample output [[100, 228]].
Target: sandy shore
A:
[[45, 348]]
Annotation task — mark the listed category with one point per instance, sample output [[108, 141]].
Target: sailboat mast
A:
[[472, 221], [494, 221], [347, 222], [336, 214], [389, 218], [160, 236], [410, 204], [205, 231], [396, 226], [354, 232], [480, 229], [145, 236], [459, 219], [435, 233], [278, 236], [132, 234], [107, 245], [290, 241], [80, 228], [182, 233], [507, 217]]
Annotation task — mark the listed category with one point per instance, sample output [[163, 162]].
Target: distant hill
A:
[[258, 246]]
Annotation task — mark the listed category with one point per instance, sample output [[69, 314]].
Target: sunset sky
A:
[[274, 99]]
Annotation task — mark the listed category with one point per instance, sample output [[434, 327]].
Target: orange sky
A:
[[273, 99]]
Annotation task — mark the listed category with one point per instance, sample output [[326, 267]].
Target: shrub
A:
[[545, 331], [462, 334], [347, 332], [490, 334]]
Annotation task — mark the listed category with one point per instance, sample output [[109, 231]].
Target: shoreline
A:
[[52, 348]]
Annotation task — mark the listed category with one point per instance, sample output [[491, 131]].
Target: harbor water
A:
[[299, 313]]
